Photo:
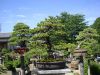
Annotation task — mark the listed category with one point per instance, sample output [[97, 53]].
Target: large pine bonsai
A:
[[48, 37]]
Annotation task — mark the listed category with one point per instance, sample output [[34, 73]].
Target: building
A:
[[4, 40]]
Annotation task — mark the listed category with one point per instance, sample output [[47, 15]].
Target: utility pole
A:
[[0, 27]]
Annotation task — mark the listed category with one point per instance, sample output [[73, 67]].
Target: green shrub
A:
[[2, 69], [95, 68]]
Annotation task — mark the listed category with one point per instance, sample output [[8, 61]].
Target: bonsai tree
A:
[[87, 40], [48, 37], [20, 35]]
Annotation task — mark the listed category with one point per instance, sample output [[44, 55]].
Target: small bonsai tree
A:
[[87, 40], [20, 35]]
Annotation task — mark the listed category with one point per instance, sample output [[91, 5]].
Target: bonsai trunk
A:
[[49, 46], [22, 43]]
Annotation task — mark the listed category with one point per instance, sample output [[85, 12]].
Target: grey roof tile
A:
[[5, 35]]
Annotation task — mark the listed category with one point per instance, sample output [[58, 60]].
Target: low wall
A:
[[7, 73], [52, 72], [10, 73]]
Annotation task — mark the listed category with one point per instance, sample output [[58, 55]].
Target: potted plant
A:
[[47, 41]]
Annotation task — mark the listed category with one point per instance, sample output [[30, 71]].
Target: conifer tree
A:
[[20, 35], [48, 35]]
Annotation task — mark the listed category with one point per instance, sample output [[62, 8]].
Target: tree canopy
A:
[[73, 25], [96, 25]]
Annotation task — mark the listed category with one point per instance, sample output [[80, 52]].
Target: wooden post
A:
[[81, 66], [22, 65]]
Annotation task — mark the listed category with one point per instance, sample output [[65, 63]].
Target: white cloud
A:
[[40, 15], [6, 11], [21, 16], [91, 20], [24, 8]]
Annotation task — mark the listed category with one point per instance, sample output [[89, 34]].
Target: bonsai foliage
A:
[[87, 40], [48, 36], [20, 35]]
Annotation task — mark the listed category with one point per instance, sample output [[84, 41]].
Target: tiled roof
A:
[[3, 40], [5, 35]]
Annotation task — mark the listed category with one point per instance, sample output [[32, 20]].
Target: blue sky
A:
[[31, 12]]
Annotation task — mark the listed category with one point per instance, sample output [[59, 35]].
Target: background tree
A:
[[73, 25], [96, 25]]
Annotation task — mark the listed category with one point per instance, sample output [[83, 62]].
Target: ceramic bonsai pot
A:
[[51, 65]]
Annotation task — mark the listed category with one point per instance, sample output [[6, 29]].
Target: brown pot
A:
[[51, 65]]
